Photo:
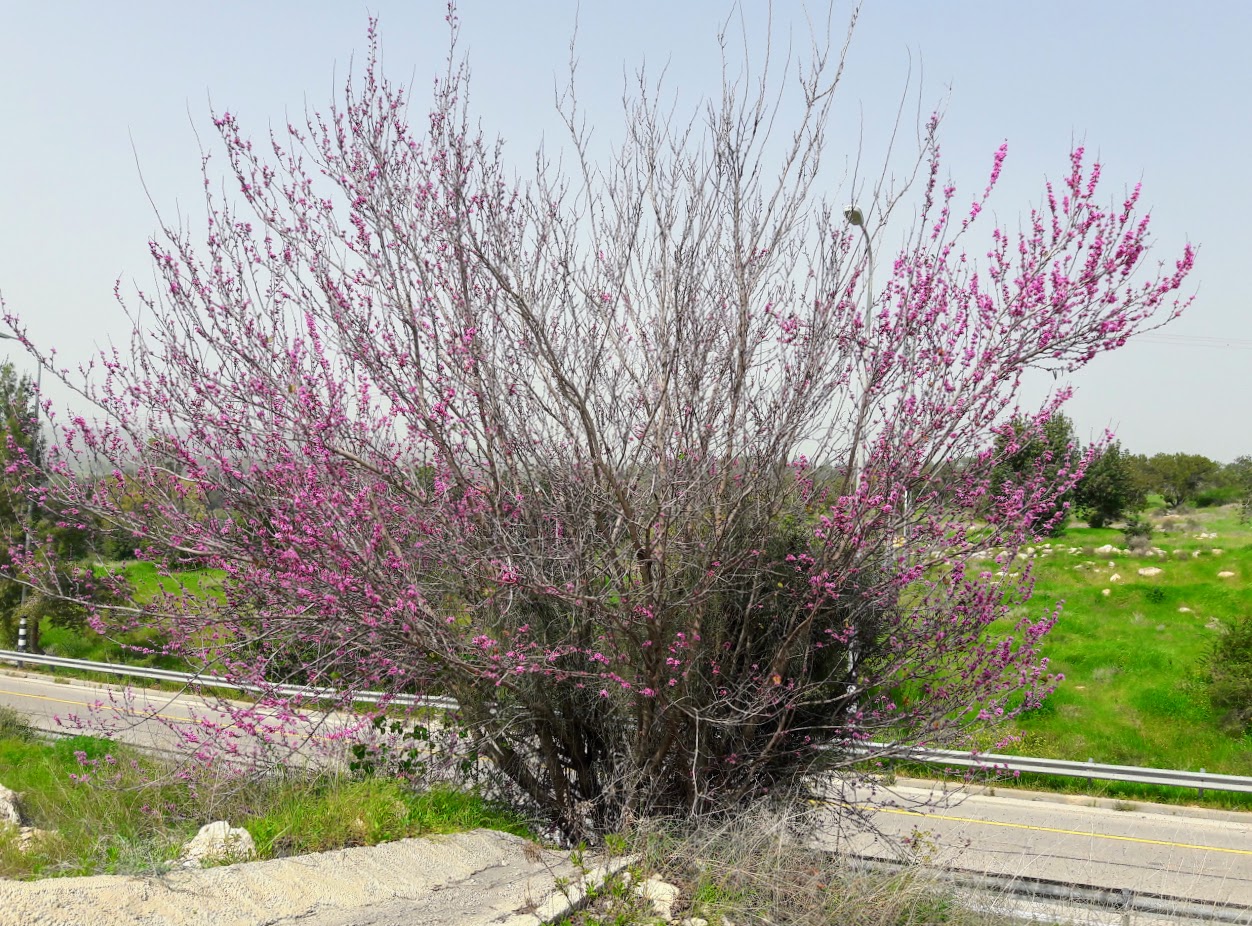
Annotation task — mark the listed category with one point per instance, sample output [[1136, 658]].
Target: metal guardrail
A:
[[217, 681], [1065, 768]]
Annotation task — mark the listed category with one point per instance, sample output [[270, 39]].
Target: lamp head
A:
[[853, 215]]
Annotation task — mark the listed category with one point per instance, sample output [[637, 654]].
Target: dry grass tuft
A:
[[756, 869]]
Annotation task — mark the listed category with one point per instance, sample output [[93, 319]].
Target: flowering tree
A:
[[618, 455]]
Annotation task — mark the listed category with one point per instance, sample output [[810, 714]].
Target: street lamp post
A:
[[856, 217], [21, 621]]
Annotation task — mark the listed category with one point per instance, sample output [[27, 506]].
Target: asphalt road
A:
[[149, 719], [1198, 854]]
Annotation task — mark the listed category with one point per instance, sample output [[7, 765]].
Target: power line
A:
[[1188, 340]]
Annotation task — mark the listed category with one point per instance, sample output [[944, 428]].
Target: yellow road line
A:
[[88, 706], [134, 713], [1064, 832]]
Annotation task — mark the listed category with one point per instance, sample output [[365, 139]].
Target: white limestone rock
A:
[[9, 812], [662, 894], [218, 843], [28, 837]]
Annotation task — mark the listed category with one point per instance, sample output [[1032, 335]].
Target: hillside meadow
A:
[[1133, 647], [137, 647]]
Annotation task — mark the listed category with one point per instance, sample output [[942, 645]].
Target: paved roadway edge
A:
[[1088, 895], [995, 790]]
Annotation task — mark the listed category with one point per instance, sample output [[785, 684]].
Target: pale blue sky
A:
[[1160, 91]]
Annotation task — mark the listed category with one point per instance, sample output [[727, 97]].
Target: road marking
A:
[[1053, 829], [142, 716], [88, 705]]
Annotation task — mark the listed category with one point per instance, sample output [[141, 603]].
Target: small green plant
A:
[[1230, 677], [14, 726], [1137, 530], [403, 747], [921, 844], [396, 749]]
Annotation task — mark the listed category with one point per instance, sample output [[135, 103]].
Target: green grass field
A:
[[128, 648], [1134, 657]]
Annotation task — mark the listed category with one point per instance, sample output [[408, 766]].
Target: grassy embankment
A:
[[1134, 658], [116, 811]]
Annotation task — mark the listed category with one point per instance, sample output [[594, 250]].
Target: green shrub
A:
[[1109, 490], [1212, 498], [14, 726], [1230, 677], [1137, 530]]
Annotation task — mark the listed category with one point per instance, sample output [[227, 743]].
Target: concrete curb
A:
[[564, 902], [479, 878]]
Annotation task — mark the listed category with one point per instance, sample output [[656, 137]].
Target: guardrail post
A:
[[1201, 788], [1090, 761]]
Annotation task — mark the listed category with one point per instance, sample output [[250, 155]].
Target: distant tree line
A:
[[1115, 488], [1116, 485], [80, 543]]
